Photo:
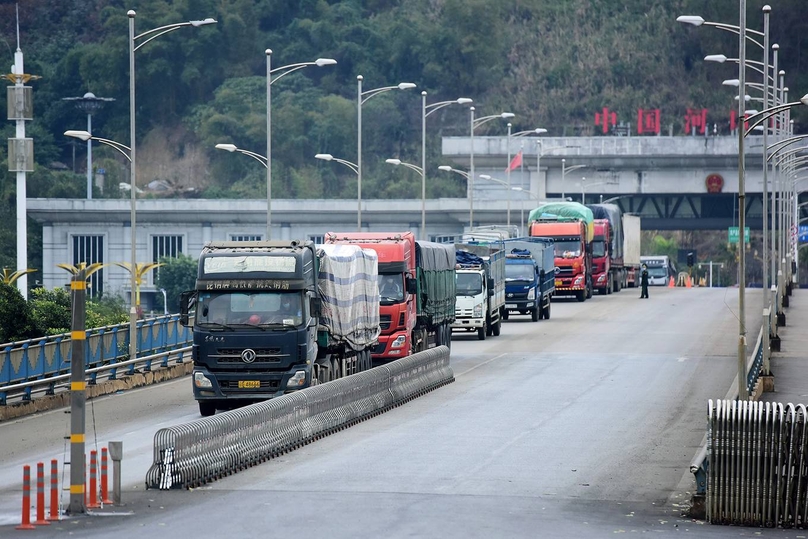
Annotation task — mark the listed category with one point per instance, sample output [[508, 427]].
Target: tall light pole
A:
[[328, 157], [89, 104], [564, 170], [420, 171], [522, 206], [466, 175], [361, 98], [146, 37], [507, 185], [473, 124], [426, 110], [284, 70], [536, 131], [233, 148]]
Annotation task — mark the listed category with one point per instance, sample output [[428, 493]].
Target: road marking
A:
[[481, 364]]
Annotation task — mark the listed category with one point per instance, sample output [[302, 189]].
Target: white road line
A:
[[480, 365]]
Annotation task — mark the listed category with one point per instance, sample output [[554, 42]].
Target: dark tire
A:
[[448, 332], [610, 285], [535, 314], [581, 295], [207, 408], [505, 314], [481, 333], [546, 311], [496, 329], [603, 291]]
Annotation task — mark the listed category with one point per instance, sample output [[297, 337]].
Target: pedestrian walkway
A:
[[790, 365]]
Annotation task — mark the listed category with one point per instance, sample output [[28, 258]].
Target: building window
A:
[[318, 240], [90, 250], [246, 237], [164, 247], [443, 238]]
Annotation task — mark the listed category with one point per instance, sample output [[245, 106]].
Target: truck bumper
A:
[[521, 305], [391, 347], [468, 323], [245, 386]]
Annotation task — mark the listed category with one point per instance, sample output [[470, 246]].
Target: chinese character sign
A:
[[696, 119], [648, 121], [605, 119]]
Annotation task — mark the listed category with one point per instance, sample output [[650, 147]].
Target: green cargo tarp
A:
[[565, 211]]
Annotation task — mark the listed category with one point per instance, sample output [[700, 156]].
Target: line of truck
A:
[[269, 317]]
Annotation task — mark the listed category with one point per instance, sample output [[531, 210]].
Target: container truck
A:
[[273, 317], [417, 291], [480, 272], [529, 277], [631, 248], [570, 226]]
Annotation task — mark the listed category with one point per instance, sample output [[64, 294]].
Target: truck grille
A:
[[464, 313], [564, 272], [384, 321], [262, 355], [379, 348]]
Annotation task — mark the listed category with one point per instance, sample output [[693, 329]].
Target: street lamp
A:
[[361, 98], [329, 157], [420, 171], [507, 185], [257, 156], [426, 110], [466, 175], [87, 137], [583, 188], [536, 131], [473, 124], [89, 104], [522, 206], [564, 170], [284, 70]]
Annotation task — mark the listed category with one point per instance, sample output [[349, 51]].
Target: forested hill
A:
[[554, 63]]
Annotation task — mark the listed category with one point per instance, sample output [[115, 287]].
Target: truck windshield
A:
[[469, 284], [598, 249], [567, 249], [391, 288], [519, 272], [227, 309]]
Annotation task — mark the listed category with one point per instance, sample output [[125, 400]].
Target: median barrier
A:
[[207, 449]]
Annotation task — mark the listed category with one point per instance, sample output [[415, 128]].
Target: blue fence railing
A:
[[46, 357]]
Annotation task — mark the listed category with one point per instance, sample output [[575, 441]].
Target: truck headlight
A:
[[478, 310], [578, 281], [602, 278], [531, 295], [399, 341], [201, 381], [298, 380]]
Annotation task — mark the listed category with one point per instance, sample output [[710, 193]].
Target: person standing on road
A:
[[644, 281]]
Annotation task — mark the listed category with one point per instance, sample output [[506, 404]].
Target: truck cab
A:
[[573, 255], [480, 279], [602, 275]]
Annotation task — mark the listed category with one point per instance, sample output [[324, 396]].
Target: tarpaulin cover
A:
[[435, 256], [466, 258], [435, 263], [614, 215], [565, 210], [542, 250], [349, 290]]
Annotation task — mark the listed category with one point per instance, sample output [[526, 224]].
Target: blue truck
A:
[[529, 277]]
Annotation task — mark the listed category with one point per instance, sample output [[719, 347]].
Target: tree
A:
[[51, 310], [176, 275], [16, 319]]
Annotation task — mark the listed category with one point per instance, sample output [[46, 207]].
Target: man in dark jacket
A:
[[644, 281]]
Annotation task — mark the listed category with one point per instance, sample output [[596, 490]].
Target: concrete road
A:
[[579, 426]]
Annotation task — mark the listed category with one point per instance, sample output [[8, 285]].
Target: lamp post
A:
[[426, 110], [90, 104], [473, 124], [233, 148], [361, 98], [536, 131], [284, 70], [328, 157], [507, 186], [522, 208], [564, 170], [420, 171], [466, 175]]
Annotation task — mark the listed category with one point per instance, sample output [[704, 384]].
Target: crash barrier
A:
[[758, 364], [757, 453], [44, 363], [195, 453]]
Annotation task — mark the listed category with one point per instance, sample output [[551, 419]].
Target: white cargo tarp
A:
[[349, 290]]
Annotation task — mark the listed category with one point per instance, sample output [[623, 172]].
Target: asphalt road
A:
[[580, 426]]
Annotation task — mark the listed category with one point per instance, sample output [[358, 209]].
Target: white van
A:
[[660, 269]]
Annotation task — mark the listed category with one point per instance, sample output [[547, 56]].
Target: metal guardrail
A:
[[195, 453], [41, 364], [757, 453]]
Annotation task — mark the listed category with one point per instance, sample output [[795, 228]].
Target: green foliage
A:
[[16, 319], [106, 311], [51, 310], [175, 276]]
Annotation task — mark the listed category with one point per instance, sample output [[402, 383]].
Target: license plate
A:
[[249, 384], [510, 305], [558, 282]]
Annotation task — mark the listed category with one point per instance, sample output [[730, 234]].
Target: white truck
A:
[[631, 249], [480, 277]]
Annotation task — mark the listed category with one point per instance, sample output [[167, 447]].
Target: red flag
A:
[[516, 162]]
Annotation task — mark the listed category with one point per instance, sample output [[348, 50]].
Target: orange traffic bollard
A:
[[93, 504], [54, 491], [40, 495], [671, 284], [105, 476], [26, 500]]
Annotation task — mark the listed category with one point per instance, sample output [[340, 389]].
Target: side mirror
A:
[[490, 285], [187, 304], [412, 285], [316, 307]]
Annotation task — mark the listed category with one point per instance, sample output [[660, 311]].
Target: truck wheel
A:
[[505, 314], [481, 333], [610, 286], [546, 311], [496, 329], [448, 333], [535, 314], [207, 408], [581, 295]]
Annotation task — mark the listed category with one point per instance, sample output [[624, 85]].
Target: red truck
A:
[[605, 277], [569, 225], [417, 291]]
